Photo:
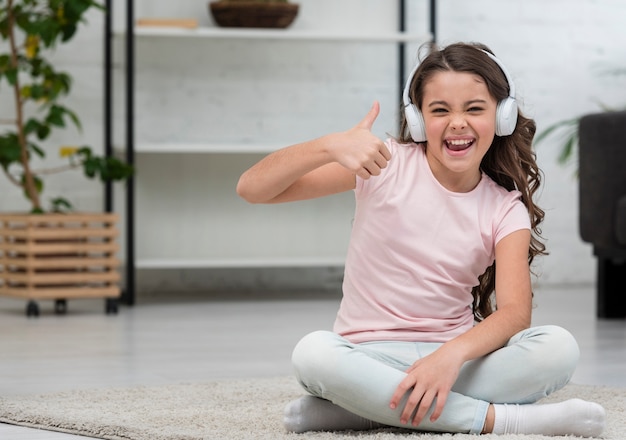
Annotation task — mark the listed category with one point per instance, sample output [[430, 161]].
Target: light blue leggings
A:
[[362, 377]]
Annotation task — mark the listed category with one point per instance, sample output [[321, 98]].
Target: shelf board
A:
[[237, 263], [206, 148], [277, 34]]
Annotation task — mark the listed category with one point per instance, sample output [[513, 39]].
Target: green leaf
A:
[[107, 168], [25, 92], [74, 118], [568, 138], [48, 30], [38, 185], [68, 32], [4, 25], [37, 92], [11, 76], [63, 82], [55, 116], [36, 67], [31, 126], [38, 151], [90, 167], [43, 132], [117, 170], [10, 151], [61, 204], [567, 125], [85, 152], [567, 150], [5, 62]]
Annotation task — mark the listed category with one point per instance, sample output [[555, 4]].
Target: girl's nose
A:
[[458, 121]]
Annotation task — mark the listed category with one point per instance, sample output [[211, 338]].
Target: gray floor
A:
[[165, 341]]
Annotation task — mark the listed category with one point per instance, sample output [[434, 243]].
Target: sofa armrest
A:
[[620, 221], [602, 180]]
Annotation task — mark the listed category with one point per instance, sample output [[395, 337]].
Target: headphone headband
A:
[[509, 80]]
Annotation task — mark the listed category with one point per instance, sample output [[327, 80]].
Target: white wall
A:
[[556, 52]]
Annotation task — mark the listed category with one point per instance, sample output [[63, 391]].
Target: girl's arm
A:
[[432, 377], [316, 168]]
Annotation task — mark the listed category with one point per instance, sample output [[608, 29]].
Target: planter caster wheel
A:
[[32, 309], [60, 306], [110, 306]]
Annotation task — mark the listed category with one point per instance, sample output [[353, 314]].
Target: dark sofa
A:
[[602, 196]]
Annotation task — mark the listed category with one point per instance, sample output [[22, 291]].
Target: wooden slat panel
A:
[[58, 263], [59, 233], [62, 293], [58, 248], [54, 256], [39, 278], [32, 219]]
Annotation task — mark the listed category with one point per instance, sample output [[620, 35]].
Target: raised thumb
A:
[[368, 121]]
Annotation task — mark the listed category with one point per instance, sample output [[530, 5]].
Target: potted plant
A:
[[565, 132], [49, 252]]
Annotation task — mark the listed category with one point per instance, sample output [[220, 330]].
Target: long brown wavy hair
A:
[[510, 161]]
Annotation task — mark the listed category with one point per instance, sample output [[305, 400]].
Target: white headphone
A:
[[506, 111]]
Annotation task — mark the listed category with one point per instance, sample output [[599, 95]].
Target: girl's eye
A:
[[439, 110], [475, 109]]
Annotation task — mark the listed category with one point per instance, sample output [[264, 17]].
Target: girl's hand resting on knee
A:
[[429, 380]]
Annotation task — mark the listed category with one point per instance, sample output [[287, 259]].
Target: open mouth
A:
[[457, 145]]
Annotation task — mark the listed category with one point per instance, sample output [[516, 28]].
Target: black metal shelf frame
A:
[[128, 295]]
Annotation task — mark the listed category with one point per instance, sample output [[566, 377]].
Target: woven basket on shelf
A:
[[253, 14]]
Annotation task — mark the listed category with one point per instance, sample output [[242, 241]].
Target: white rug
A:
[[230, 409]]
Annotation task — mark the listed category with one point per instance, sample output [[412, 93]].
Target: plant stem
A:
[[57, 170], [29, 182], [12, 179]]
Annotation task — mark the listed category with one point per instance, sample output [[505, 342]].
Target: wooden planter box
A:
[[59, 257]]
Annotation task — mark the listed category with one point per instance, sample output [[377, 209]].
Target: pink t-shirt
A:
[[417, 250]]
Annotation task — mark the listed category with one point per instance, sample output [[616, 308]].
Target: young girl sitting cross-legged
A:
[[433, 332]]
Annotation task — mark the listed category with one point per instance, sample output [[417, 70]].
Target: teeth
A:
[[459, 142]]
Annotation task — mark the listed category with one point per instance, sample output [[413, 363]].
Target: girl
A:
[[418, 342]]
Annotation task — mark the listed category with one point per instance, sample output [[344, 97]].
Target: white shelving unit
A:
[[236, 263], [254, 34], [278, 34], [208, 148], [218, 159]]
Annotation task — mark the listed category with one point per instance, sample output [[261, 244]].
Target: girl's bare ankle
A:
[[488, 426]]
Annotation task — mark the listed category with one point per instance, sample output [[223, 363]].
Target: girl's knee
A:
[[562, 345], [312, 350], [313, 360], [556, 355]]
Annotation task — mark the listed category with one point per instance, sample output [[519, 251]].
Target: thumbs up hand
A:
[[360, 151]]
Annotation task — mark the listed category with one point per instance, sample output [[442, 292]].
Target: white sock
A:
[[309, 413], [572, 417]]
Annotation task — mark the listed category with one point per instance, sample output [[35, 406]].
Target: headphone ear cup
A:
[[506, 117], [415, 121]]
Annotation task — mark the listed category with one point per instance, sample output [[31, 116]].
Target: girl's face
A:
[[460, 117]]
